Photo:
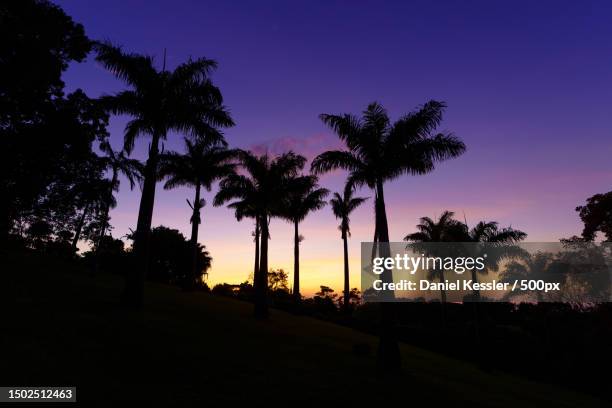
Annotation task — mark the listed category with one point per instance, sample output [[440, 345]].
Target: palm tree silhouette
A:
[[490, 232], [183, 100], [499, 247], [245, 207], [118, 163], [342, 206], [262, 192], [305, 197], [445, 229], [203, 163], [541, 265], [379, 151]]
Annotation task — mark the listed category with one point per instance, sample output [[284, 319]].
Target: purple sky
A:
[[528, 85]]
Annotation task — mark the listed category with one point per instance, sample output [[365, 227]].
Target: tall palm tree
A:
[[499, 248], [118, 162], [444, 229], [262, 191], [203, 163], [342, 206], [379, 151], [305, 197], [182, 100]]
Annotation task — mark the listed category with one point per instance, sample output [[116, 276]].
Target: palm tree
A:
[[379, 151], [262, 192], [203, 164], [118, 162], [182, 100], [445, 229], [246, 208], [342, 206], [499, 248], [305, 197], [490, 232], [541, 265]]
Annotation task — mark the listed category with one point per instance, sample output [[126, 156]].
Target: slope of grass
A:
[[64, 327]]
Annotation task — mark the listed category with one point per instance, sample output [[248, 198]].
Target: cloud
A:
[[309, 146]]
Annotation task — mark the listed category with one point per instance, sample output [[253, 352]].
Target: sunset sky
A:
[[527, 86]]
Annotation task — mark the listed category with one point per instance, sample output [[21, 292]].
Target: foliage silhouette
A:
[[444, 229], [342, 207], [379, 151], [263, 192], [490, 232], [203, 163], [183, 100], [171, 257], [117, 162], [596, 215], [304, 197], [44, 135]]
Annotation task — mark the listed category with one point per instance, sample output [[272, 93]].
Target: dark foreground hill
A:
[[61, 326]]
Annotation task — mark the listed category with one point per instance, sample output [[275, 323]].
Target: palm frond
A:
[[335, 159], [420, 123], [347, 127], [137, 70], [193, 71]]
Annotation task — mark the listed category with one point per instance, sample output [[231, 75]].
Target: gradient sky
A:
[[528, 88]]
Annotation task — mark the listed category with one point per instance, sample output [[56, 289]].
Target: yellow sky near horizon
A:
[[231, 244]]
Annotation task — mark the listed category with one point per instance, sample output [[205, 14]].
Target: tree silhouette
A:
[[342, 207], [445, 229], [263, 192], [490, 232], [245, 207], [379, 151], [91, 195], [171, 257], [278, 280], [304, 197], [81, 198], [596, 215], [118, 162], [541, 265], [202, 164], [39, 233], [183, 100]]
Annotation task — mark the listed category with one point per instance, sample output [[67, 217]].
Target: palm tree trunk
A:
[[256, 267], [375, 239], [389, 358], [381, 227], [195, 223], [135, 278], [346, 272], [79, 228], [374, 244], [296, 263], [261, 288]]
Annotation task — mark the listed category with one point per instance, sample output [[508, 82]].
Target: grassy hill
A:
[[64, 327]]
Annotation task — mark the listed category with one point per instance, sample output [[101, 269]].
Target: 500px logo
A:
[[411, 263]]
